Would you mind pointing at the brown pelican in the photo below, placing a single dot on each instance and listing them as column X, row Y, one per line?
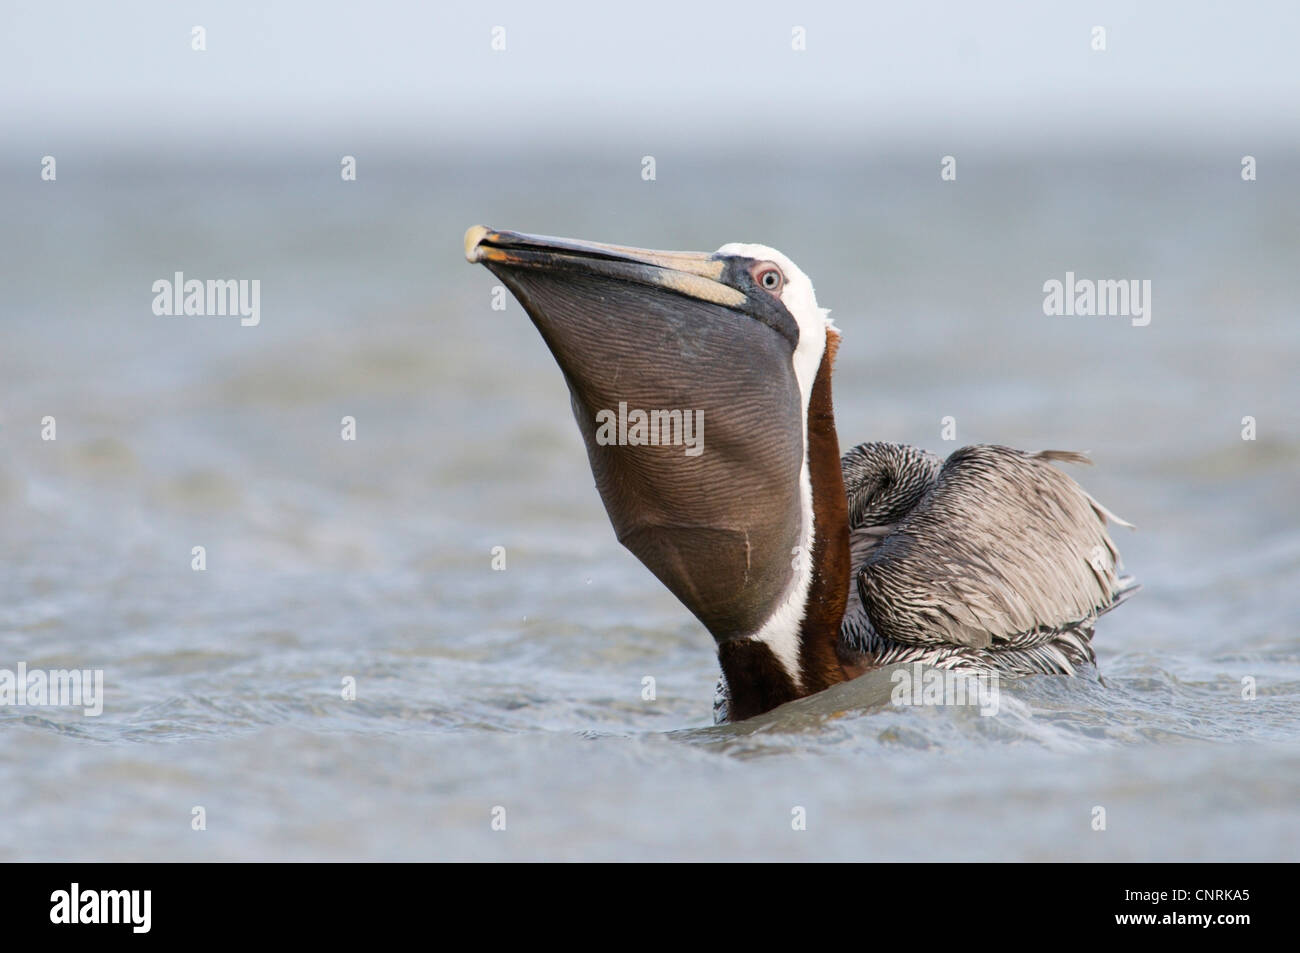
column 807, row 570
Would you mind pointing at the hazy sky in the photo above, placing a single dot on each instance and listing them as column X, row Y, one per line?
column 1020, row 69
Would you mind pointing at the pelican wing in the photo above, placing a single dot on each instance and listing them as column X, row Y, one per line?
column 1004, row 550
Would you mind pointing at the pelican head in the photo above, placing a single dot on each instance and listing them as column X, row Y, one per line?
column 746, row 524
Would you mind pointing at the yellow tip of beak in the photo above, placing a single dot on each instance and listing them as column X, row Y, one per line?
column 473, row 236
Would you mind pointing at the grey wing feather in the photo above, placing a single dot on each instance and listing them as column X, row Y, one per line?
column 1004, row 550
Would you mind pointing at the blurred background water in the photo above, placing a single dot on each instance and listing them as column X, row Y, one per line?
column 372, row 559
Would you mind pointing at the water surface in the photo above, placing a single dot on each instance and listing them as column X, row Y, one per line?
column 522, row 689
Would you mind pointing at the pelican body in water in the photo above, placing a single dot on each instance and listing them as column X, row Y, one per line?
column 807, row 569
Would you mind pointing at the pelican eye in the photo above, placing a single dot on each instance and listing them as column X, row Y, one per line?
column 769, row 276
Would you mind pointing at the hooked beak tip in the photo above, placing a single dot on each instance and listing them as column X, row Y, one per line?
column 474, row 236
